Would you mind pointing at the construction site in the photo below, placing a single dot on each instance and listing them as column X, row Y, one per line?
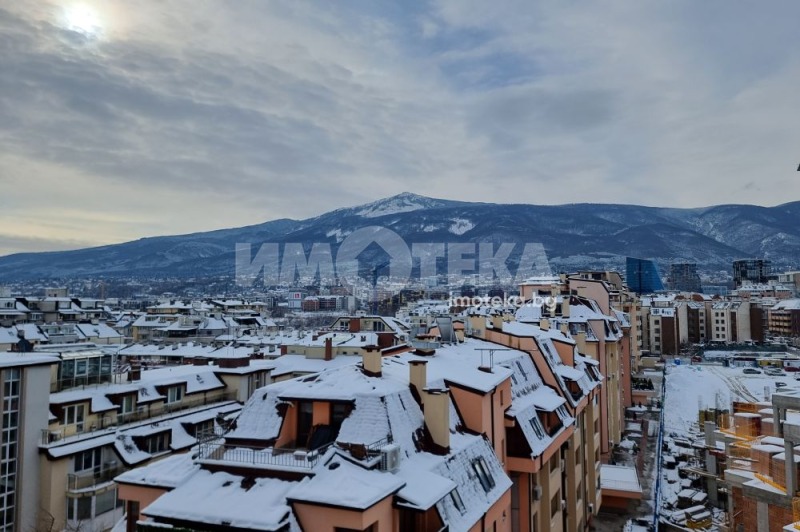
column 735, row 466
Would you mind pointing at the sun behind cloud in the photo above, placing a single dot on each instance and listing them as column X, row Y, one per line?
column 82, row 18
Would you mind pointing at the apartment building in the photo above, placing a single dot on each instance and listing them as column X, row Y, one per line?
column 470, row 436
column 683, row 277
column 784, row 318
column 730, row 322
column 591, row 304
column 664, row 331
column 691, row 318
column 751, row 270
column 95, row 433
column 23, row 410
column 390, row 331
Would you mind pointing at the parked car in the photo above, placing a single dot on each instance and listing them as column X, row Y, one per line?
column 751, row 371
column 775, row 372
column 780, row 384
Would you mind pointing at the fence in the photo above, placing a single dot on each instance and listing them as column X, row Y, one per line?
column 659, row 452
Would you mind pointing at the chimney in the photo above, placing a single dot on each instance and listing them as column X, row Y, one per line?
column 372, row 360
column 437, row 416
column 328, row 348
column 564, row 327
column 544, row 324
column 418, row 376
column 284, row 349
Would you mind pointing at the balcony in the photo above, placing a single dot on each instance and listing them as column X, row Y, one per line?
column 90, row 479
column 216, row 451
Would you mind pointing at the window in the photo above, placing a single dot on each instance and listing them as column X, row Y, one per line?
column 128, row 404
column 554, row 461
column 485, row 477
column 339, row 412
column 305, row 418
column 457, row 502
column 105, row 502
column 156, row 444
column 521, row 370
column 73, row 415
column 174, row 394
column 555, row 505
column 8, row 450
column 537, row 428
column 88, row 460
column 204, row 429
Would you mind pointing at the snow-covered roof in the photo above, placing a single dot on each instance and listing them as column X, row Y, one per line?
column 787, row 304
column 98, row 400
column 12, row 360
column 300, row 364
column 342, row 483
column 423, row 488
column 197, row 378
column 98, row 330
column 223, row 499
column 168, row 472
column 122, row 437
column 620, row 478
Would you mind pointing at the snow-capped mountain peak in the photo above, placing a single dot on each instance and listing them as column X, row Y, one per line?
column 404, row 202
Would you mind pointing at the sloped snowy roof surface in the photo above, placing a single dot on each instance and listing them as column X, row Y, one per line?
column 341, row 483
column 221, row 499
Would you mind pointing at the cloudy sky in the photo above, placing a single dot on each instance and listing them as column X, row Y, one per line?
column 126, row 119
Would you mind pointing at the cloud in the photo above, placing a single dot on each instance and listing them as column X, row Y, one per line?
column 182, row 117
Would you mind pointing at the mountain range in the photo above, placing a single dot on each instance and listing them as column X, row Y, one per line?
column 574, row 236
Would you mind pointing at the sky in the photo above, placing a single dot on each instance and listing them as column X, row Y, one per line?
column 120, row 120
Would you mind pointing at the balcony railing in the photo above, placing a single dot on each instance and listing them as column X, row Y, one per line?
column 218, row 451
column 88, row 479
column 156, row 414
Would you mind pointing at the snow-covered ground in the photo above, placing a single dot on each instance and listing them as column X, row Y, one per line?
column 690, row 388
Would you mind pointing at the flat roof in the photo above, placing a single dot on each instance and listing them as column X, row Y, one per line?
column 12, row 359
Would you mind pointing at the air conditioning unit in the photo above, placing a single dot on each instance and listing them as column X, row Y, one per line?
column 390, row 457
column 537, row 493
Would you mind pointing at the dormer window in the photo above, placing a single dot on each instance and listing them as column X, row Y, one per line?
column 537, row 428
column 483, row 473
column 174, row 394
column 127, row 404
column 457, row 502
column 73, row 415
